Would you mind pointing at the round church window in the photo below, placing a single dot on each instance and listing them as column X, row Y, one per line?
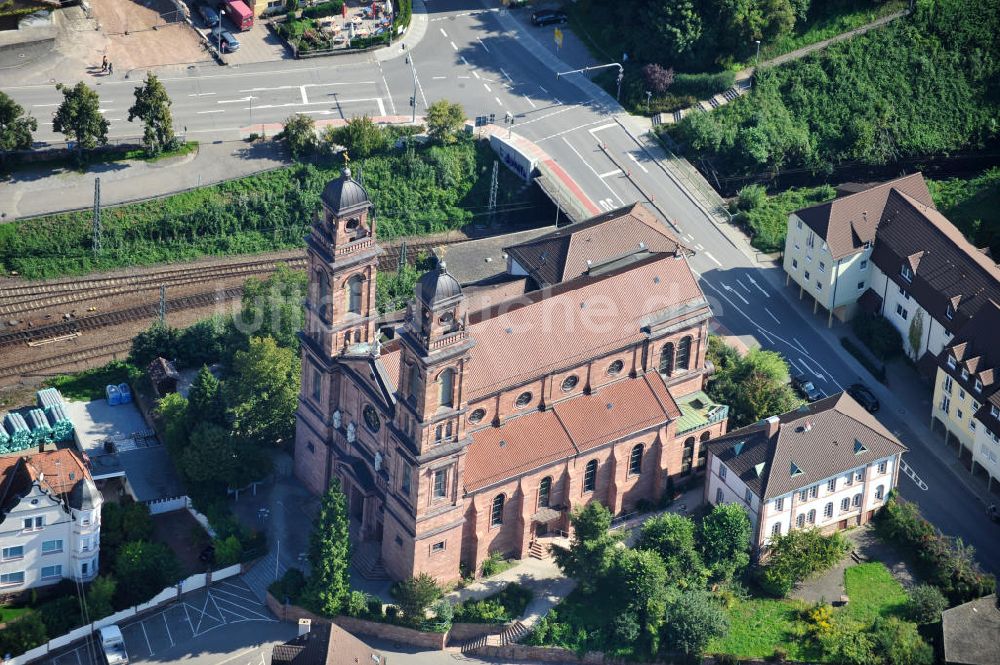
column 616, row 367
column 523, row 400
column 371, row 418
column 477, row 416
column 570, row 382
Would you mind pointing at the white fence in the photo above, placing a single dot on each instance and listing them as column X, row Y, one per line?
column 157, row 506
column 168, row 595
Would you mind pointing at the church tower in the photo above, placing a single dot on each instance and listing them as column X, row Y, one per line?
column 340, row 316
column 431, row 411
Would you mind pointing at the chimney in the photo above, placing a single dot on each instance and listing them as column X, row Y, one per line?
column 305, row 626
column 773, row 423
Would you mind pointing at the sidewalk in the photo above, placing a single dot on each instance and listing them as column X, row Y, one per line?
column 45, row 190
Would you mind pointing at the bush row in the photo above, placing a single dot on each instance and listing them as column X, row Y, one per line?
column 876, row 370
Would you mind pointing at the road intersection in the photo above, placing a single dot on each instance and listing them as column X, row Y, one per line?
column 475, row 55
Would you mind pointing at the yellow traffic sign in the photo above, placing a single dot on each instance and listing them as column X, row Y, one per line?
column 558, row 34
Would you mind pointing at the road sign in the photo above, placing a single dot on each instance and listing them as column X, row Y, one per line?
column 558, row 34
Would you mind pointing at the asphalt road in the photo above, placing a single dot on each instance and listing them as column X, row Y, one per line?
column 467, row 56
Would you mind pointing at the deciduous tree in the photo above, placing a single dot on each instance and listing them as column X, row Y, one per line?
column 152, row 106
column 673, row 538
column 15, row 126
column 204, row 399
column 99, row 597
column 444, row 120
column 300, row 134
column 329, row 555
column 143, row 570
column 79, row 117
column 262, row 391
column 589, row 553
column 725, row 540
column 693, row 619
column 210, row 456
column 658, row 78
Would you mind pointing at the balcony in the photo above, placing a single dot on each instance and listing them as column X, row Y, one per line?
column 698, row 411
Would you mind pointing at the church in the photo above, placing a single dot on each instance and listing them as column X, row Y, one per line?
column 479, row 424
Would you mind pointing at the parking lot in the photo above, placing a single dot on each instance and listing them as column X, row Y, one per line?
column 258, row 44
column 215, row 624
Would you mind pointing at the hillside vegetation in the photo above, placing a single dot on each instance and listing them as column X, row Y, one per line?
column 924, row 85
column 417, row 191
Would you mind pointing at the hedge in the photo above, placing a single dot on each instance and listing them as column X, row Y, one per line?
column 876, row 370
column 702, row 86
column 332, row 8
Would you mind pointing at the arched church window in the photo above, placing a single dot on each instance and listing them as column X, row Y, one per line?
column 354, row 285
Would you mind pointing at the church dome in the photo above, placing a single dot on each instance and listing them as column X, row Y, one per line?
column 437, row 286
column 345, row 194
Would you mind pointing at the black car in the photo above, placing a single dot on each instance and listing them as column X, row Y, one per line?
column 864, row 397
column 804, row 386
column 210, row 15
column 548, row 17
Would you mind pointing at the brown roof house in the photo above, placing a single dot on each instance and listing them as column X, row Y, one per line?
column 972, row 632
column 50, row 524
column 886, row 248
column 324, row 644
column 826, row 465
column 483, row 422
column 163, row 376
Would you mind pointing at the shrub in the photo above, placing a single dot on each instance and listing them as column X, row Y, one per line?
column 357, row 604
column 751, row 196
column 693, row 619
column 289, row 587
column 797, row 555
column 879, row 335
column 702, row 86
column 60, row 615
column 876, row 370
column 23, row 634
column 505, row 605
column 658, row 78
column 493, row 564
column 925, row 604
column 228, row 551
column 899, row 643
column 332, row 8
column 415, row 595
column 819, row 620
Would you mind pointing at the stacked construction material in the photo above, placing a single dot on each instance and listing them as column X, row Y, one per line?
column 4, row 438
column 20, row 433
column 48, row 397
column 41, row 431
column 62, row 426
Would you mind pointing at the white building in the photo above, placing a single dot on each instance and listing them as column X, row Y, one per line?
column 50, row 521
column 887, row 249
column 827, row 465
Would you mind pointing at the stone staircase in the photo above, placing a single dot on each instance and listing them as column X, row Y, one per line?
column 260, row 576
column 367, row 560
column 515, row 632
column 537, row 550
column 741, row 87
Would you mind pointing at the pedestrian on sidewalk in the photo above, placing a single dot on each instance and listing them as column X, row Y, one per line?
column 111, row 68
column 104, row 63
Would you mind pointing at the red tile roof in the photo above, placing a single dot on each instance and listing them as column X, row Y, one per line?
column 60, row 471
column 572, row 427
column 574, row 322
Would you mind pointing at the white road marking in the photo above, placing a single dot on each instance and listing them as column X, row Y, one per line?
column 482, row 44
column 735, row 293
column 392, row 102
column 303, row 85
column 799, row 344
column 632, row 157
column 453, row 46
column 198, row 94
column 465, row 62
column 754, row 282
column 235, row 101
column 605, row 205
column 699, row 247
column 212, row 111
column 819, row 375
column 305, row 97
column 439, row 78
column 745, row 287
column 793, row 364
column 498, row 101
column 689, row 237
column 543, row 89
column 713, row 259
column 488, row 88
column 148, row 645
column 772, row 316
column 44, row 106
column 167, row 626
column 905, row 468
column 188, row 616
column 611, row 173
column 604, row 126
column 577, row 153
column 548, row 115
column 506, row 75
column 381, row 106
column 528, row 99
column 463, row 77
column 443, row 33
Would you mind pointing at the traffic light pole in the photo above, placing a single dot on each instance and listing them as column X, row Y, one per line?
column 413, row 99
column 621, row 74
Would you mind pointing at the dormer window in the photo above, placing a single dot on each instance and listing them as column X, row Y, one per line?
column 951, row 362
column 906, row 272
column 994, row 411
column 950, row 312
column 978, row 386
column 965, row 374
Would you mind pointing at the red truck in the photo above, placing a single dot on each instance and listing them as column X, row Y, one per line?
column 239, row 14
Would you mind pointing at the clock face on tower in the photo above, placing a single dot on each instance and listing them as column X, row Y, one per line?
column 371, row 418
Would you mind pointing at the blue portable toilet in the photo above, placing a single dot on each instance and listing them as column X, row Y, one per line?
column 114, row 395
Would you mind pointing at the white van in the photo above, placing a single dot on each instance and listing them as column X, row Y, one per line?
column 113, row 645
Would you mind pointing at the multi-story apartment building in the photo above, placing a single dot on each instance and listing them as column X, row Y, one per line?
column 966, row 405
column 50, row 521
column 827, row 465
column 477, row 429
column 887, row 250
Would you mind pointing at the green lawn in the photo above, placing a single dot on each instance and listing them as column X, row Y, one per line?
column 873, row 592
column 759, row 625
column 767, row 216
column 10, row 613
column 973, row 205
column 89, row 384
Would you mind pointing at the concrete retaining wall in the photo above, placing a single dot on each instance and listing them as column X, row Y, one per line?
column 466, row 632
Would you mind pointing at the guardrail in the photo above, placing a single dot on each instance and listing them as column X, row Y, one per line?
column 168, row 595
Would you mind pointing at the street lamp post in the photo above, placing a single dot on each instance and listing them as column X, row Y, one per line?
column 757, row 61
column 413, row 99
column 649, row 98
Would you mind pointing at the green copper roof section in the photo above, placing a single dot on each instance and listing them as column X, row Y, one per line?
column 698, row 410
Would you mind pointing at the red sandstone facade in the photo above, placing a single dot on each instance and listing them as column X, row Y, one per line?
column 472, row 432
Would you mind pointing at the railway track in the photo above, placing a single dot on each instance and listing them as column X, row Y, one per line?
column 111, row 350
column 105, row 319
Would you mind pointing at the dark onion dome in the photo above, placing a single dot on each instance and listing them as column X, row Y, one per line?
column 85, row 495
column 437, row 286
column 345, row 194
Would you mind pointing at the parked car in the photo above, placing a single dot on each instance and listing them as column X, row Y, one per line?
column 864, row 396
column 211, row 16
column 225, row 40
column 804, row 386
column 548, row 17
column 113, row 645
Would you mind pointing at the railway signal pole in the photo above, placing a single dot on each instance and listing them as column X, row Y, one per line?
column 163, row 304
column 97, row 216
column 493, row 193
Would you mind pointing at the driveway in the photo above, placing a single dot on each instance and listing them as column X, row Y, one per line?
column 212, row 625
